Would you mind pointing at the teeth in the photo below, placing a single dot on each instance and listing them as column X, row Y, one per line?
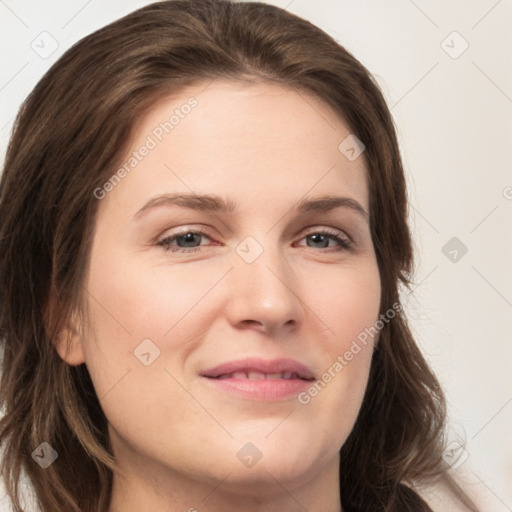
column 259, row 375
column 255, row 376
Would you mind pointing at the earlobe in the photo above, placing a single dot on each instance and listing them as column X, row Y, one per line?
column 376, row 341
column 66, row 337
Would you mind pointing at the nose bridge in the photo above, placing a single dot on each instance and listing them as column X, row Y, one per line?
column 262, row 283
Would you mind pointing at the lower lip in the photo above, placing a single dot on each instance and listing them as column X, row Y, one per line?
column 261, row 389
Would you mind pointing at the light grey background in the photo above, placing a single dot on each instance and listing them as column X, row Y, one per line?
column 453, row 112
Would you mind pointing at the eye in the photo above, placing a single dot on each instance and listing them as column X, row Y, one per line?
column 190, row 241
column 186, row 241
column 321, row 239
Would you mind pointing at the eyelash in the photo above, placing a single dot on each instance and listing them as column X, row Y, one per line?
column 344, row 245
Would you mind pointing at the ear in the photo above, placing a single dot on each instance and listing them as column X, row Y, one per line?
column 69, row 344
column 67, row 340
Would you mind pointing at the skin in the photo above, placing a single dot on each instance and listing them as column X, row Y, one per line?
column 265, row 147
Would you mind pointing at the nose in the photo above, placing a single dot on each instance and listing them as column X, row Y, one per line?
column 264, row 294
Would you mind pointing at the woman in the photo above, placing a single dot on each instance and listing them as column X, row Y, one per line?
column 202, row 243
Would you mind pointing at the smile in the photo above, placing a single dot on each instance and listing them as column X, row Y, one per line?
column 259, row 379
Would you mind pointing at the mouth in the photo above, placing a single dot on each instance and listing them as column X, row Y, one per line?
column 254, row 375
column 259, row 379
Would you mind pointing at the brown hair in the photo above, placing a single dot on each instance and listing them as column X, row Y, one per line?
column 68, row 138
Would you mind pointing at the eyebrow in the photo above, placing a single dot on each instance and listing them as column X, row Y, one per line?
column 215, row 204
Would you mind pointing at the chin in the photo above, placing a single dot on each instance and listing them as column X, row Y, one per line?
column 290, row 458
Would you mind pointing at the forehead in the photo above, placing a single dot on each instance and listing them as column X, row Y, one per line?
column 253, row 141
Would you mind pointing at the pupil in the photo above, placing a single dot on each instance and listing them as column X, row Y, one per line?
column 188, row 238
column 318, row 239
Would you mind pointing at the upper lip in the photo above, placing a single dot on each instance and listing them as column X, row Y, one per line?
column 253, row 364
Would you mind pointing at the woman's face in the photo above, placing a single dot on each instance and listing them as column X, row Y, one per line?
column 209, row 324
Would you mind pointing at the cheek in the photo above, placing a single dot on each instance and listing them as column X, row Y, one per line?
column 135, row 303
column 349, row 306
column 348, row 303
column 130, row 304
